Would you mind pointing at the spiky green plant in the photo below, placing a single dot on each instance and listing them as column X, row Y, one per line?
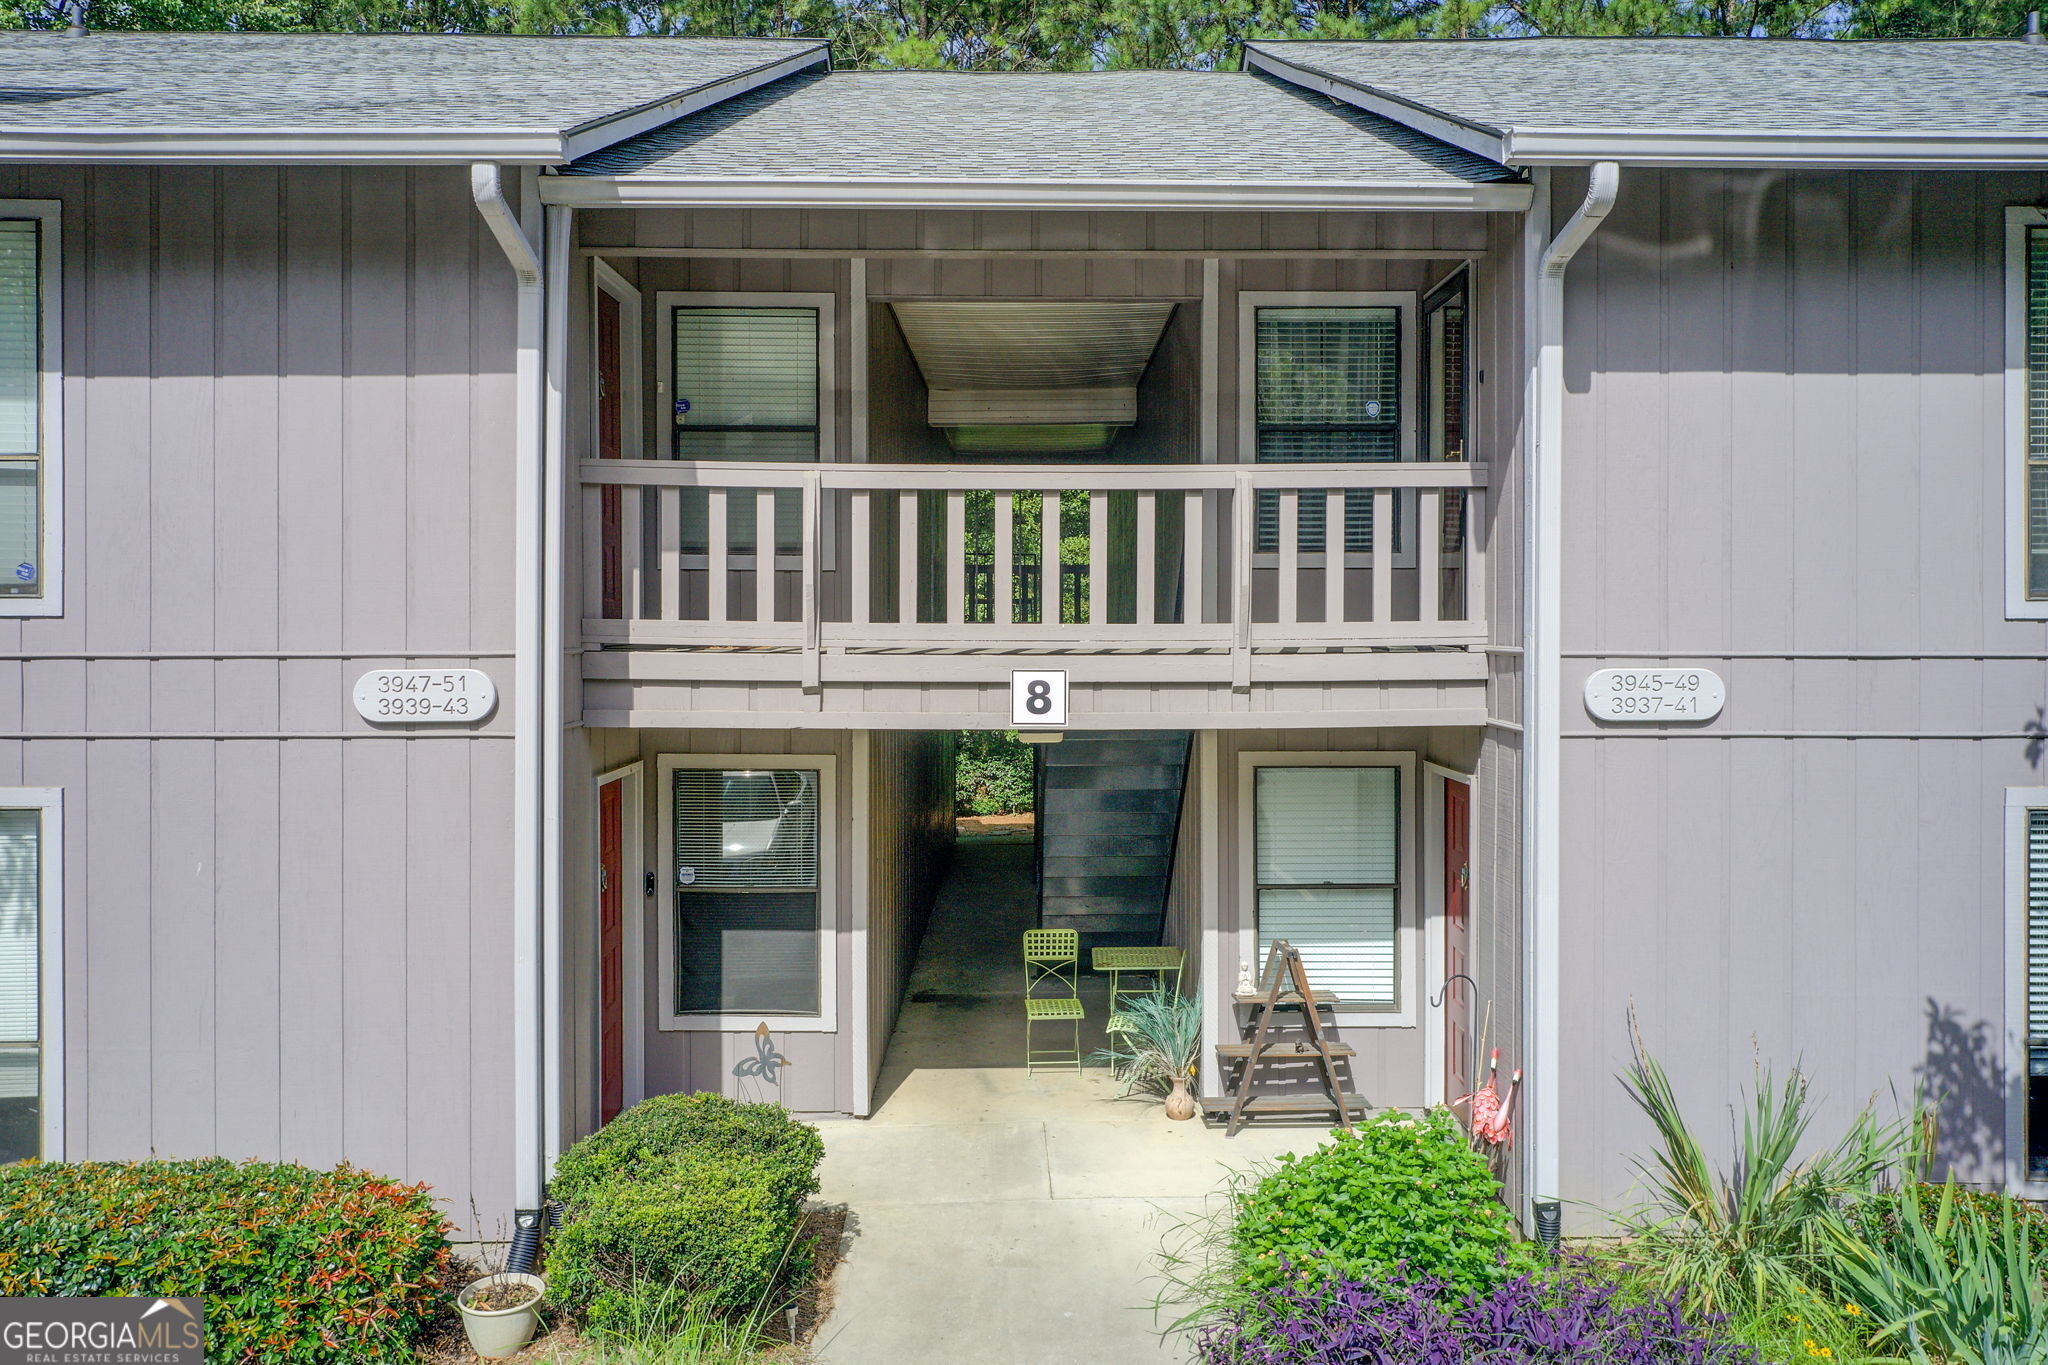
column 1960, row 1281
column 1164, row 1031
column 1739, row 1240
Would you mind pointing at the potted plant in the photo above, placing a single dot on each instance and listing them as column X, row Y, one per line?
column 1162, row 1039
column 500, row 1312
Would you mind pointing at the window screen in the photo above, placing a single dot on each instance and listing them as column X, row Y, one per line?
column 20, row 984
column 1328, row 874
column 20, row 408
column 2037, row 414
column 1328, row 391
column 747, row 891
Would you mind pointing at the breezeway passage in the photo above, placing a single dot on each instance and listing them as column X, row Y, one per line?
column 998, row 1216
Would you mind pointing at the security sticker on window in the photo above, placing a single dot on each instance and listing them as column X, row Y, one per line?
column 1038, row 698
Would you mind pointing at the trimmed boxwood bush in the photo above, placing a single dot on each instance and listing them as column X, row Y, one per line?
column 295, row 1264
column 682, row 1200
column 1405, row 1196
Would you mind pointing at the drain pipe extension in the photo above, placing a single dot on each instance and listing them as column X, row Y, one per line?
column 529, row 569
column 1543, row 705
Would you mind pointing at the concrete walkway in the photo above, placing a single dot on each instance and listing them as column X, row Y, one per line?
column 997, row 1217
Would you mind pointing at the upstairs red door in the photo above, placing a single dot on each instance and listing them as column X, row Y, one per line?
column 610, row 426
column 611, row 950
column 1459, row 996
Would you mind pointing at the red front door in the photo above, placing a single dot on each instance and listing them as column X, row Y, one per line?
column 611, row 950
column 1458, row 993
column 610, row 428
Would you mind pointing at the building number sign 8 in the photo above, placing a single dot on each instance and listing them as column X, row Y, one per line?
column 424, row 696
column 1038, row 698
column 1655, row 694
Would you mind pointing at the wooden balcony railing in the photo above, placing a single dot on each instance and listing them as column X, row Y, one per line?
column 942, row 557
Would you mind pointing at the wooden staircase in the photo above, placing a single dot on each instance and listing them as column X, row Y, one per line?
column 1286, row 987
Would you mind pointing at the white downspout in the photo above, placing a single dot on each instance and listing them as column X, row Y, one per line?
column 1543, row 706
column 529, row 572
column 554, row 494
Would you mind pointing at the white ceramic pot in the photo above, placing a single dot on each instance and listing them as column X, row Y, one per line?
column 499, row 1332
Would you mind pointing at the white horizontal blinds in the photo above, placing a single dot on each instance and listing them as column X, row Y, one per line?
column 2037, row 413
column 745, row 387
column 1328, row 391
column 1327, row 869
column 747, row 891
column 20, row 406
column 20, row 977
column 2037, row 931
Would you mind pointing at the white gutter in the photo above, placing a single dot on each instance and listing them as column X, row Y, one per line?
column 1542, row 702
column 554, row 493
column 880, row 192
column 529, row 638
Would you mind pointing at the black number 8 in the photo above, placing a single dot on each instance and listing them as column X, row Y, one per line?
column 1038, row 696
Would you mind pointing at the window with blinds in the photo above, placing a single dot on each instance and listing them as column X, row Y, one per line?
column 21, row 326
column 1328, row 390
column 1327, row 875
column 2037, row 994
column 20, row 984
column 747, row 901
column 745, row 387
column 2036, row 493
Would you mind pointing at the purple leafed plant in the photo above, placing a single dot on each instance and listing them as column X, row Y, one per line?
column 1523, row 1321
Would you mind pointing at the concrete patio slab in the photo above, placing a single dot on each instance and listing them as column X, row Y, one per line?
column 997, row 1215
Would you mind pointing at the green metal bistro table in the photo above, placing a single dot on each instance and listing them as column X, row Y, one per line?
column 1157, row 963
column 1052, row 1009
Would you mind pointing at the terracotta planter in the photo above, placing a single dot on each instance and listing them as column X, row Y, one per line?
column 495, row 1333
column 1180, row 1104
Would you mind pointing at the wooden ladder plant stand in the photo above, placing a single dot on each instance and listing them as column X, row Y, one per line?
column 1286, row 987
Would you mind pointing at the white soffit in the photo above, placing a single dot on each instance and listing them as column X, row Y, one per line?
column 1029, row 363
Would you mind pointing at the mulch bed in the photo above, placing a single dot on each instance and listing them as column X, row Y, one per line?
column 825, row 1227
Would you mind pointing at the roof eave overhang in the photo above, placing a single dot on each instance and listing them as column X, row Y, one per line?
column 631, row 191
column 1788, row 151
column 285, row 147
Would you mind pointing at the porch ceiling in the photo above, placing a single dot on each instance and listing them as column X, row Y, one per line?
column 1032, row 376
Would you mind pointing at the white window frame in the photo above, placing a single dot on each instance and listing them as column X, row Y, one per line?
column 828, row 329
column 632, row 404
column 2019, row 803
column 1407, row 930
column 50, row 385
column 2018, row 606
column 1407, row 328
column 827, row 1018
column 49, row 803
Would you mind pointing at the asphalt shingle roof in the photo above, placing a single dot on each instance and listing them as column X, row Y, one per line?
column 1714, row 85
column 1153, row 126
column 166, row 83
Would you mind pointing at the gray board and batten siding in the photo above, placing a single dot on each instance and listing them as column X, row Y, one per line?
column 289, row 403
column 1784, row 445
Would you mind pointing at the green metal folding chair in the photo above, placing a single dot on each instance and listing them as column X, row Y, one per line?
column 1052, row 955
column 1052, row 1009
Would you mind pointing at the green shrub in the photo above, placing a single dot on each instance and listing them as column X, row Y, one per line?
column 1405, row 1194
column 1949, row 1276
column 295, row 1264
column 993, row 776
column 681, row 1202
